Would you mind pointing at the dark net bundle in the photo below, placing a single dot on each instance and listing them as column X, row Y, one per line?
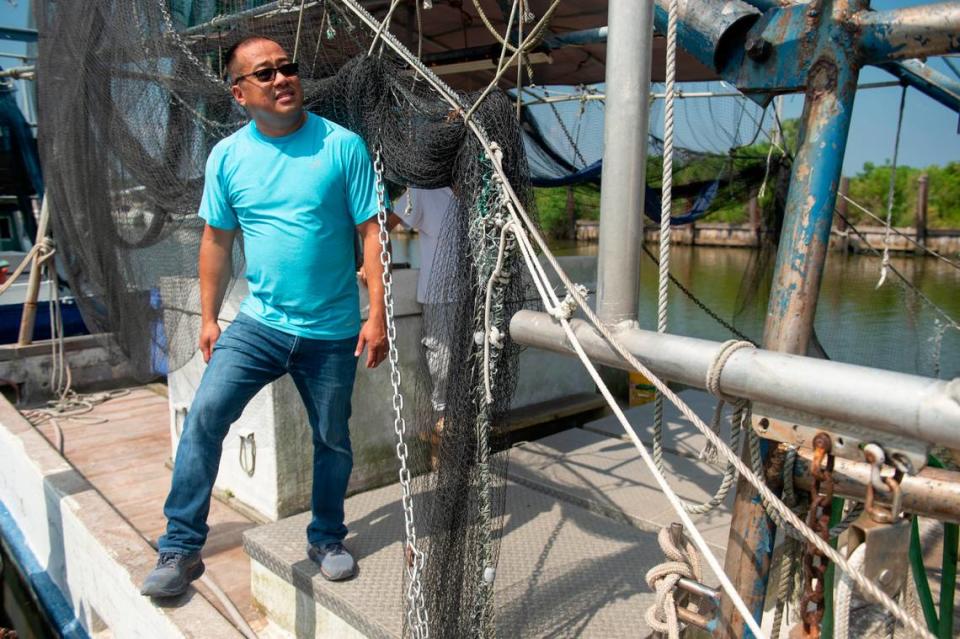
column 132, row 102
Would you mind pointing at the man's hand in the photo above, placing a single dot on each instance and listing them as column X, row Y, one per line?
column 215, row 247
column 209, row 334
column 373, row 336
column 362, row 276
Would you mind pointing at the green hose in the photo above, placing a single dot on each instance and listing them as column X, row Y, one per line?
column 920, row 579
column 951, row 537
column 948, row 571
column 826, row 628
column 942, row 627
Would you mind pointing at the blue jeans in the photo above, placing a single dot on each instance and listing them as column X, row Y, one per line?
column 248, row 356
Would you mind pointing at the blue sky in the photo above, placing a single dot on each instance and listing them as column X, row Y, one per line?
column 929, row 129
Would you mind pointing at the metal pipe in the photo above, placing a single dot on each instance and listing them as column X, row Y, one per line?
column 18, row 56
column 831, row 86
column 17, row 73
column 597, row 35
column 263, row 11
column 697, row 588
column 688, row 616
column 707, row 30
column 684, row 95
column 927, row 80
column 629, row 57
column 829, row 76
column 911, row 32
column 932, row 492
column 908, row 405
column 17, row 34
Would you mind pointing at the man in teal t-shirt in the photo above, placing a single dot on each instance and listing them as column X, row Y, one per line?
column 297, row 186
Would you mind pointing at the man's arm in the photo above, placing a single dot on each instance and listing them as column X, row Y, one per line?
column 216, row 246
column 373, row 335
column 392, row 221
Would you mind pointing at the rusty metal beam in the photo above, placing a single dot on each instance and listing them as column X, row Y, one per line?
column 931, row 493
column 830, row 82
column 911, row 32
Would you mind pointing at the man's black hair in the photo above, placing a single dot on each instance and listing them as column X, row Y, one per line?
column 231, row 53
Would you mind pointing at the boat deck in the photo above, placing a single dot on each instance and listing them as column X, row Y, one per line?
column 122, row 447
column 579, row 531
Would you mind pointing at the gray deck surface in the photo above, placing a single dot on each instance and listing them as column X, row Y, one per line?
column 608, row 477
column 680, row 436
column 563, row 571
column 578, row 538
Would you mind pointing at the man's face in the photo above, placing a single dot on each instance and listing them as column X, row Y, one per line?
column 278, row 100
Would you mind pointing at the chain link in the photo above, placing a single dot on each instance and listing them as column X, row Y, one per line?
column 818, row 519
column 417, row 620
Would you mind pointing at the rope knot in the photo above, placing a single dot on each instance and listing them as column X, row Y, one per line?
column 567, row 307
column 684, row 562
column 727, row 349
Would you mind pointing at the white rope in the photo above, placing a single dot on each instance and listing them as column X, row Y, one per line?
column 551, row 302
column 844, row 596
column 885, row 263
column 524, row 45
column 384, row 24
column 683, row 561
column 41, row 246
column 773, row 144
column 666, row 204
column 296, row 41
column 527, row 226
column 917, row 244
column 492, row 335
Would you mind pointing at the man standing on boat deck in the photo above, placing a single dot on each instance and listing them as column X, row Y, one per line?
column 297, row 186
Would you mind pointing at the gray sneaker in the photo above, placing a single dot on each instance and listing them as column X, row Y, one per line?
column 336, row 562
column 173, row 574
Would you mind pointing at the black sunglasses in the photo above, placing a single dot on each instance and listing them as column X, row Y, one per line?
column 289, row 70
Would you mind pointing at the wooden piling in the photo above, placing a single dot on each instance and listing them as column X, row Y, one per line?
column 753, row 210
column 571, row 213
column 921, row 221
column 29, row 317
column 840, row 219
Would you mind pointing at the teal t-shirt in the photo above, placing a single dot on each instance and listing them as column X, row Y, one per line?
column 297, row 199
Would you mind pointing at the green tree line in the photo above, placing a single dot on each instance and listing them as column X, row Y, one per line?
column 742, row 171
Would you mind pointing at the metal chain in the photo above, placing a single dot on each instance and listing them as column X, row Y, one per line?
column 417, row 619
column 566, row 133
column 174, row 36
column 818, row 519
column 700, row 304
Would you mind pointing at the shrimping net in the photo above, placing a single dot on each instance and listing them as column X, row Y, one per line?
column 132, row 101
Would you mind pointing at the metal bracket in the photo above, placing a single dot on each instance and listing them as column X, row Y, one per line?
column 885, row 561
column 799, row 429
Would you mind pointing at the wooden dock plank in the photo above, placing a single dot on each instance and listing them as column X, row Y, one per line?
column 121, row 446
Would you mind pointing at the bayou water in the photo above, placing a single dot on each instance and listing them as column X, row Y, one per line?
column 892, row 327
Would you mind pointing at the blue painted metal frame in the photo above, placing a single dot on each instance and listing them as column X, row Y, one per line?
column 773, row 55
column 49, row 595
column 818, row 48
column 18, row 34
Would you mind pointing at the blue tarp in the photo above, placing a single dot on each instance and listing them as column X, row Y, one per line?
column 24, row 145
column 591, row 173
